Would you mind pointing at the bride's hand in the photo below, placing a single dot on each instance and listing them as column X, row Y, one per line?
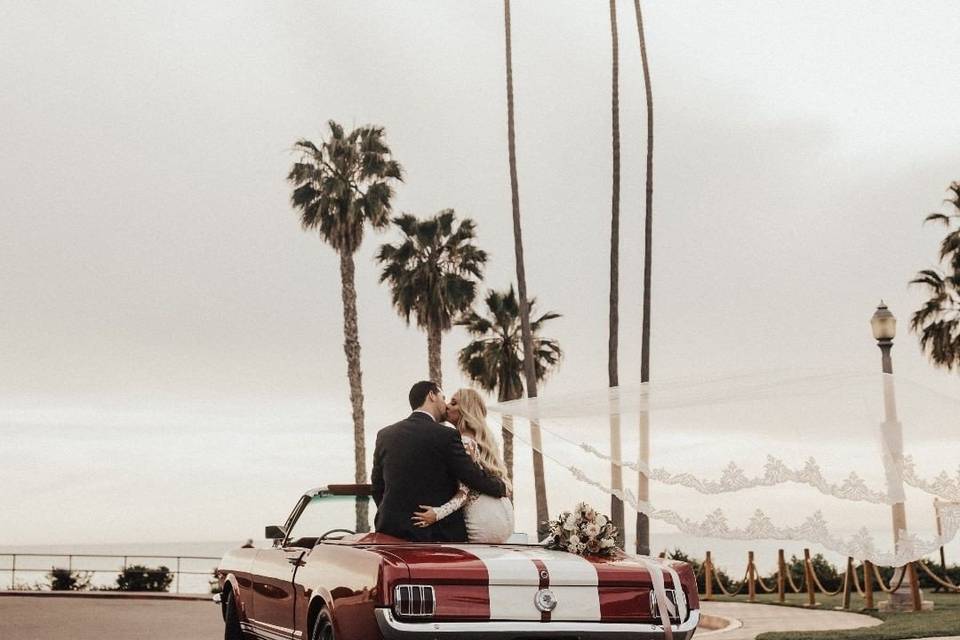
column 424, row 518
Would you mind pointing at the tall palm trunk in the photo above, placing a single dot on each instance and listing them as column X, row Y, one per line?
column 507, row 432
column 643, row 490
column 616, row 472
column 527, row 336
column 351, row 346
column 434, row 336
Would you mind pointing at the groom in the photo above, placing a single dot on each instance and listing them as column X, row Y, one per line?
column 419, row 461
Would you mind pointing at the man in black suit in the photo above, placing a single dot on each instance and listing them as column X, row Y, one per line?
column 419, row 461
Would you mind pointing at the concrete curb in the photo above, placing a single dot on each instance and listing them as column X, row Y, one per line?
column 712, row 624
column 115, row 595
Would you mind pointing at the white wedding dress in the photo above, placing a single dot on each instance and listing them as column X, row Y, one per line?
column 489, row 520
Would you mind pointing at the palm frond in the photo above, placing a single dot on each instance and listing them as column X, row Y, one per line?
column 938, row 217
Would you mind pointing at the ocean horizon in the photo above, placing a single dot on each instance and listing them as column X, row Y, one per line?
column 201, row 557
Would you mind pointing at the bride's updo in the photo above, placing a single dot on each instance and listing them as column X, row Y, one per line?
column 473, row 423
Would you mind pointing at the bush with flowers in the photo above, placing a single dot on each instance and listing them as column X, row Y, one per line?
column 583, row 531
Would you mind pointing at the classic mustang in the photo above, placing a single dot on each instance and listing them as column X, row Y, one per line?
column 325, row 583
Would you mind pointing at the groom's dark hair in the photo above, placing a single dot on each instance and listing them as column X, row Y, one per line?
column 420, row 391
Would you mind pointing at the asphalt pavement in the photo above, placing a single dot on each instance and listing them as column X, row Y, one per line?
column 32, row 618
column 80, row 618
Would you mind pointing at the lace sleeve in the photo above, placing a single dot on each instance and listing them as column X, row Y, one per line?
column 453, row 504
column 470, row 446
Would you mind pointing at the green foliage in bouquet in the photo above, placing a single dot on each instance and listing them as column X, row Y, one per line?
column 583, row 531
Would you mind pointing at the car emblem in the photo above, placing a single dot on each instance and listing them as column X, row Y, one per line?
column 545, row 600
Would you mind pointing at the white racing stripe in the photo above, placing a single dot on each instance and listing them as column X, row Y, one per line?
column 514, row 581
column 574, row 580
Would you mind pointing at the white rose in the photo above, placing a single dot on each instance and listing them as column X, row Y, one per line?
column 606, row 543
column 602, row 520
column 574, row 540
column 592, row 530
column 570, row 523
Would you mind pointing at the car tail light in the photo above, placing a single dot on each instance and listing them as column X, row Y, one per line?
column 414, row 600
column 674, row 596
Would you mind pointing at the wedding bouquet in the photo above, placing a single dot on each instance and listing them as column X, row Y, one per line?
column 583, row 531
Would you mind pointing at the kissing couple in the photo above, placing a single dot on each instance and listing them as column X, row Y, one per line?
column 436, row 483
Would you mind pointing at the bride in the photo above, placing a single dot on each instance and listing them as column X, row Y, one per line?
column 489, row 520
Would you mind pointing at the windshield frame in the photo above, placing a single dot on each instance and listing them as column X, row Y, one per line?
column 339, row 490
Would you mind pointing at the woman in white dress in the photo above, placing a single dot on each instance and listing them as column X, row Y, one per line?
column 488, row 519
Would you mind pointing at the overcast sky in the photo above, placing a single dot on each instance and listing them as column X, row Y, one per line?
column 155, row 281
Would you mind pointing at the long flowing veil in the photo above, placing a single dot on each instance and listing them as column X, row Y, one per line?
column 851, row 462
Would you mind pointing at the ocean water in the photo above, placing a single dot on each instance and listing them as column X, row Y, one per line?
column 729, row 555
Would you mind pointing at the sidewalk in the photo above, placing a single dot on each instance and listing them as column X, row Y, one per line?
column 758, row 618
column 749, row 620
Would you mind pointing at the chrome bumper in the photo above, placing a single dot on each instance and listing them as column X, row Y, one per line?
column 393, row 629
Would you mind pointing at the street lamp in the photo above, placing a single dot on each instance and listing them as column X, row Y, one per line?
column 884, row 326
column 905, row 597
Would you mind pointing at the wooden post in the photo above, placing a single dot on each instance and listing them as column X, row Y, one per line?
column 943, row 556
column 13, row 573
column 811, row 588
column 663, row 554
column 914, row 586
column 781, row 577
column 708, row 577
column 751, row 576
column 868, row 584
column 178, row 574
column 847, row 581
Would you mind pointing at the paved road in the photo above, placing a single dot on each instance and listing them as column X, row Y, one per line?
column 32, row 618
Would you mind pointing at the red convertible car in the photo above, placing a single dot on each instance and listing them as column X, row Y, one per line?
column 324, row 582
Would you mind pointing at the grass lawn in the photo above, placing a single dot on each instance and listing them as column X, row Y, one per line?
column 944, row 620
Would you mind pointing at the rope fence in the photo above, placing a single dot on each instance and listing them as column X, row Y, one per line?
column 811, row 583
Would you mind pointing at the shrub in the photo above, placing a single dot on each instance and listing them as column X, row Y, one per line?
column 827, row 574
column 140, row 578
column 214, row 582
column 60, row 579
column 697, row 567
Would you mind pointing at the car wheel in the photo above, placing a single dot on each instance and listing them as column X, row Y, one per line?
column 323, row 629
column 231, row 620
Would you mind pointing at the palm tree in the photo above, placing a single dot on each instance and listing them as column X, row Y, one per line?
column 338, row 188
column 616, row 472
column 937, row 322
column 495, row 358
column 643, row 522
column 433, row 273
column 540, row 487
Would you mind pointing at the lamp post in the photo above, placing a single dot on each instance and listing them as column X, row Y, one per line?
column 884, row 326
column 907, row 596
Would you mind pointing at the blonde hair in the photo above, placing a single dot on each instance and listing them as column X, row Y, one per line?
column 473, row 423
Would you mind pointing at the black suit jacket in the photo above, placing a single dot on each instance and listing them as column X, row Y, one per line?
column 420, row 461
